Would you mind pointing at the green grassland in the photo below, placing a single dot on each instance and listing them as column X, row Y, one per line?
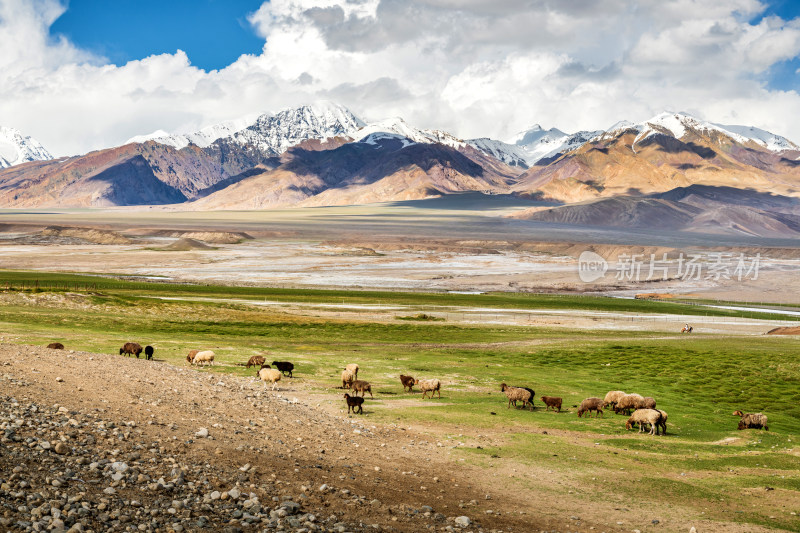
column 703, row 464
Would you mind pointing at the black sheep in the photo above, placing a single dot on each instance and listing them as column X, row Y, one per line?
column 354, row 402
column 284, row 367
column 148, row 352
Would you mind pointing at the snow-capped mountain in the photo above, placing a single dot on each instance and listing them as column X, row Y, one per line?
column 276, row 133
column 510, row 154
column 202, row 138
column 398, row 126
column 16, row 148
column 680, row 125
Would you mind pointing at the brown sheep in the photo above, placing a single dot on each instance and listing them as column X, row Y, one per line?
column 352, row 368
column 361, row 386
column 131, row 348
column 752, row 420
column 646, row 403
column 591, row 404
column 354, row 402
column 515, row 394
column 256, row 360
column 552, row 401
column 55, row 346
column 408, row 383
column 191, row 354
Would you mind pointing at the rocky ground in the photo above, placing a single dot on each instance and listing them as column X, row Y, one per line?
column 97, row 442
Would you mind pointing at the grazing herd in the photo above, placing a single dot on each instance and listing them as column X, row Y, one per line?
column 641, row 410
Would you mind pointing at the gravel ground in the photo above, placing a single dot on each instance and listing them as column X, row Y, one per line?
column 97, row 442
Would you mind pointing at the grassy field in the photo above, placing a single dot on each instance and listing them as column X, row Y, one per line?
column 704, row 464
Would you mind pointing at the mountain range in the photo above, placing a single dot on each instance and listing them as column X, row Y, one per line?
column 690, row 174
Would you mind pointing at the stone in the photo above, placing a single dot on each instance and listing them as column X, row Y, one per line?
column 463, row 521
column 61, row 448
column 202, row 433
column 234, row 494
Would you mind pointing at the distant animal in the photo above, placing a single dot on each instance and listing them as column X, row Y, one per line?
column 131, row 348
column 533, row 394
column 256, row 360
column 55, row 346
column 354, row 402
column 266, row 373
column 629, row 403
column 611, row 399
column 686, row 329
column 363, row 387
column 429, row 385
column 353, row 368
column 148, row 352
column 191, row 354
column 284, row 366
column 205, row 357
column 752, row 420
column 552, row 401
column 347, row 378
column 591, row 404
column 408, row 383
column 644, row 417
column 516, row 394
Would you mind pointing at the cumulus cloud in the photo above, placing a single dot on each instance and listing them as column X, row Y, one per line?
column 473, row 67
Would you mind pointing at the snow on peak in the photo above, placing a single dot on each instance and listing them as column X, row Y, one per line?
column 535, row 134
column 398, row 126
column 679, row 125
column 377, row 137
column 277, row 133
column 201, row 138
column 16, row 148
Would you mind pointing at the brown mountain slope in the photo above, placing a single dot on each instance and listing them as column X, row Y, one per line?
column 623, row 163
column 730, row 212
column 363, row 172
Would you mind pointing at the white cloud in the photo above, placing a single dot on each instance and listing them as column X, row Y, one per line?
column 474, row 67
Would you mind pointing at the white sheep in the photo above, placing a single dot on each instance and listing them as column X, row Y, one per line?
column 272, row 375
column 205, row 357
column 645, row 416
column 612, row 397
column 347, row 378
column 352, row 368
column 429, row 385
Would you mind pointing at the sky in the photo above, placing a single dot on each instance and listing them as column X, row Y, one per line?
column 90, row 74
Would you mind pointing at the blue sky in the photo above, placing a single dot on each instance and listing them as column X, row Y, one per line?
column 213, row 33
column 87, row 74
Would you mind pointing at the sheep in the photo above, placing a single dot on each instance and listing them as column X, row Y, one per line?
column 408, row 383
column 55, row 346
column 205, row 357
column 645, row 416
column 591, row 404
column 131, row 348
column 354, row 402
column 353, row 369
column 363, row 387
column 347, row 378
column 552, row 401
column 533, row 394
column 612, row 397
column 662, row 421
column 646, row 403
column 266, row 373
column 429, row 385
column 628, row 403
column 515, row 394
column 284, row 367
column 752, row 420
column 148, row 352
column 191, row 354
column 256, row 360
